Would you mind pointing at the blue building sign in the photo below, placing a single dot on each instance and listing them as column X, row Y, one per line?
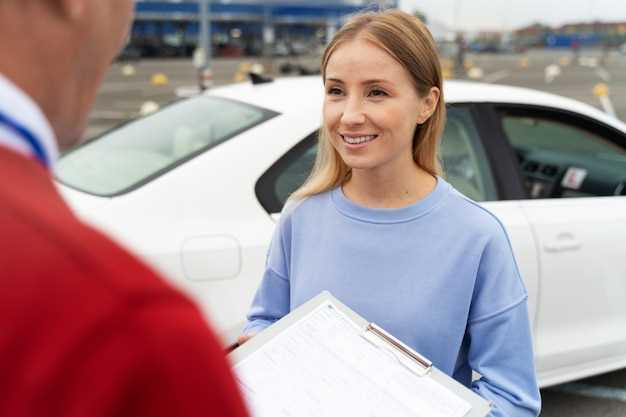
column 573, row 40
column 170, row 27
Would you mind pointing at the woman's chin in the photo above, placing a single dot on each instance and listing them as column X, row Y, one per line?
column 357, row 164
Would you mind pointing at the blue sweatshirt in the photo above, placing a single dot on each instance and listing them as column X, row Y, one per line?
column 439, row 275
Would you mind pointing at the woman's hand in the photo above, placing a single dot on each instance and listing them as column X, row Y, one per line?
column 244, row 338
column 240, row 341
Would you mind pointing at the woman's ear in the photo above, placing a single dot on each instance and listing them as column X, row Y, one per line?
column 429, row 104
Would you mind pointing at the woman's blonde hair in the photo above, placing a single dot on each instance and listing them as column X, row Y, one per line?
column 407, row 40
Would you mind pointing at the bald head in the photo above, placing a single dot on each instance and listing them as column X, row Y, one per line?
column 58, row 52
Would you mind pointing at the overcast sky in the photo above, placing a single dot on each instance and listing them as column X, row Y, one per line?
column 512, row 14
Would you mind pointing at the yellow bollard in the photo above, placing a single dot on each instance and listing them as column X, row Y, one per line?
column 601, row 90
column 245, row 66
column 447, row 68
column 159, row 79
column 242, row 72
column 524, row 62
column 447, row 73
column 564, row 61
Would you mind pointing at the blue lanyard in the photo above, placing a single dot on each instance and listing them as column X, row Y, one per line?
column 26, row 135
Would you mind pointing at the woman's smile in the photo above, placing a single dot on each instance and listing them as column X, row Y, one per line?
column 353, row 141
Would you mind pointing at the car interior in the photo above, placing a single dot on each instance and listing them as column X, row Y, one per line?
column 560, row 158
column 545, row 173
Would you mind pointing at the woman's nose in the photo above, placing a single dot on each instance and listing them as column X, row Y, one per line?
column 353, row 113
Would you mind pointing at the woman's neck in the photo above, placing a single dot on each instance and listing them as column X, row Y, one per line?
column 375, row 189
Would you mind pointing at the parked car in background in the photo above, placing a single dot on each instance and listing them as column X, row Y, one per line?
column 195, row 189
column 129, row 53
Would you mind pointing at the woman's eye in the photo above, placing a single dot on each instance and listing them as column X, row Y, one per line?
column 334, row 91
column 378, row 93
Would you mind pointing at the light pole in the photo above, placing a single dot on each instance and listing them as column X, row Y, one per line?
column 384, row 4
column 457, row 8
column 459, row 62
column 202, row 58
column 269, row 37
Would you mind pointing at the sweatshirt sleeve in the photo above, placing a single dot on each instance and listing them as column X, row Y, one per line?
column 500, row 341
column 272, row 301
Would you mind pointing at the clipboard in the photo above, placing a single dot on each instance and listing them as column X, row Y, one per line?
column 418, row 365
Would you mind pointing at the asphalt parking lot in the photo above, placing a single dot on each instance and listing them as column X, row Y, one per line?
column 128, row 85
column 128, row 88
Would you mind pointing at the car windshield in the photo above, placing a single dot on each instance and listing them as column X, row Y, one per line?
column 136, row 153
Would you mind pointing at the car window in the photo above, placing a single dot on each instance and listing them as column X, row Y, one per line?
column 133, row 154
column 566, row 156
column 461, row 153
column 295, row 173
column 287, row 174
column 463, row 158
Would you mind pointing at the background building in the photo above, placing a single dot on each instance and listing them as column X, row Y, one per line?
column 573, row 35
column 241, row 27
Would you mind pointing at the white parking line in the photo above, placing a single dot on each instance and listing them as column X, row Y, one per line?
column 603, row 74
column 496, row 76
column 607, row 105
column 592, row 391
column 551, row 72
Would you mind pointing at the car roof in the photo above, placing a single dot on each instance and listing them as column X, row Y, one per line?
column 300, row 94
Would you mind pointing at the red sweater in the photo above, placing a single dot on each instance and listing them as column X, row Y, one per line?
column 86, row 329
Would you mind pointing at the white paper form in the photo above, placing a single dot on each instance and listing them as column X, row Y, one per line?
column 322, row 366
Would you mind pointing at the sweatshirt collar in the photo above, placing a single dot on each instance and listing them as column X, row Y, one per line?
column 395, row 215
column 23, row 126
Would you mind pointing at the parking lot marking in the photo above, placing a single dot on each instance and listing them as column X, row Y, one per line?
column 475, row 73
column 601, row 91
column 592, row 391
column 551, row 72
column 603, row 74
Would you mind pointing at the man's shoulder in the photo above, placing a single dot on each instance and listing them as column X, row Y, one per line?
column 62, row 272
column 44, row 241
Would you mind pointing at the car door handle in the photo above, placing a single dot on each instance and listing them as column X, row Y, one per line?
column 564, row 242
column 562, row 247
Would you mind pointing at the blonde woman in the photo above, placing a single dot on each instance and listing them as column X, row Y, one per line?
column 378, row 227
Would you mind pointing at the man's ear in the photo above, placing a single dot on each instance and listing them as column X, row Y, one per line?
column 70, row 9
column 429, row 104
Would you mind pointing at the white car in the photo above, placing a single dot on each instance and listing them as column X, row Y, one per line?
column 195, row 189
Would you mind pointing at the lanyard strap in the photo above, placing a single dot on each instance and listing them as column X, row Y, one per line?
column 28, row 137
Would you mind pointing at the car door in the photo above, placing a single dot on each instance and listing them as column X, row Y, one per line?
column 176, row 188
column 574, row 171
column 470, row 165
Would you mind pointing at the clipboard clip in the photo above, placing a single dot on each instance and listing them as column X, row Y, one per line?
column 425, row 366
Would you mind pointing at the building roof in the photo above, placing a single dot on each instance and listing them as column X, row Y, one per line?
column 388, row 3
column 289, row 11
